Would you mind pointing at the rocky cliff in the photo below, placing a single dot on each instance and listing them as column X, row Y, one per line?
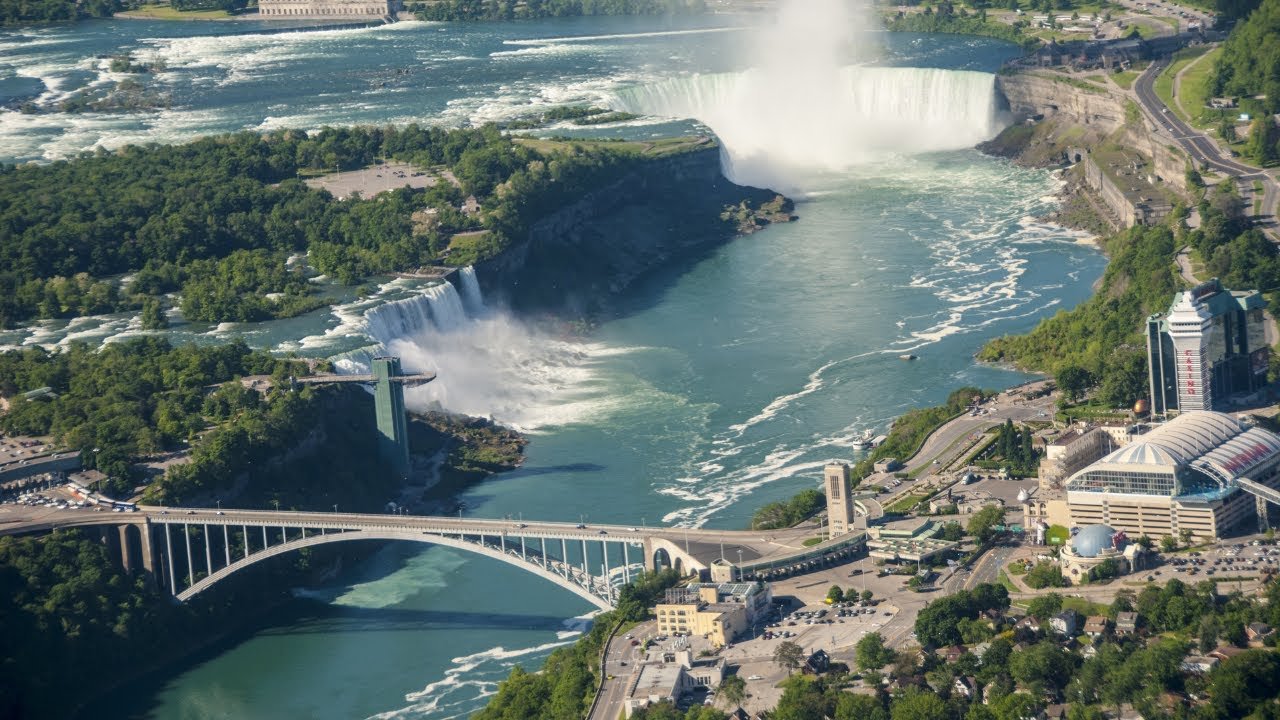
column 1059, row 119
column 662, row 216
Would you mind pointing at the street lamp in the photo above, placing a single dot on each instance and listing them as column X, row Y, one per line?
column 335, row 508
column 276, row 502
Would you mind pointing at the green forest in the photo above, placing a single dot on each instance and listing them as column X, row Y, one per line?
column 217, row 218
column 1250, row 61
column 466, row 10
column 24, row 11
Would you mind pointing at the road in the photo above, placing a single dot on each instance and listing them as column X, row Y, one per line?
column 1005, row 406
column 621, row 664
column 1202, row 148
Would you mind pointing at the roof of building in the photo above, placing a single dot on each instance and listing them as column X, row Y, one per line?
column 1092, row 540
column 661, row 679
column 1216, row 444
column 1126, row 618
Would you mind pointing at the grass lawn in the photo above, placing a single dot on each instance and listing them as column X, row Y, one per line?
column 1164, row 83
column 1125, row 79
column 1084, row 607
column 1194, row 90
column 810, row 542
column 1257, row 197
column 1057, row 531
column 166, row 12
column 1007, row 583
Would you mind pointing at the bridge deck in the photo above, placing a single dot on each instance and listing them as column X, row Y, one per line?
column 410, row 380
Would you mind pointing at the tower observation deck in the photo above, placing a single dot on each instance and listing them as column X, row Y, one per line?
column 389, row 382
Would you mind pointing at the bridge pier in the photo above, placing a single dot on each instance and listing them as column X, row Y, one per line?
column 191, row 568
column 1264, row 523
column 168, row 544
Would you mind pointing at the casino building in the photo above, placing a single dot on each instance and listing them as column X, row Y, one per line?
column 1210, row 345
column 1184, row 475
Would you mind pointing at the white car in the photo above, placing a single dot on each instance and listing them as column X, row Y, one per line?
column 756, row 677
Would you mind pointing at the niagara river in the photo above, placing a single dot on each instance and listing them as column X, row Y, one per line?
column 709, row 390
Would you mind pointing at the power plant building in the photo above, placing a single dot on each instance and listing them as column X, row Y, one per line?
column 371, row 10
column 1185, row 475
column 1209, row 346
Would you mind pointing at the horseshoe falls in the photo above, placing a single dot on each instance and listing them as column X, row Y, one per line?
column 782, row 132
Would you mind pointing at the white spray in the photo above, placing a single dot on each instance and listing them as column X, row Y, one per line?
column 808, row 107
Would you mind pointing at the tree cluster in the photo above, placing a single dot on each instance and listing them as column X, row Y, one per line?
column 216, row 218
column 786, row 513
column 1251, row 55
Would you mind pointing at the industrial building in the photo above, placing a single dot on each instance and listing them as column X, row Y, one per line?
column 1185, row 475
column 304, row 9
column 1210, row 345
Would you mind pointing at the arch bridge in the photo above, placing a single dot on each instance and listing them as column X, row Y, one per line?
column 189, row 550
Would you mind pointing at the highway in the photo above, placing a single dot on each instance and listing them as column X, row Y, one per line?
column 1200, row 147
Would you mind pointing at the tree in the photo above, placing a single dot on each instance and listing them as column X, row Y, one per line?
column 788, row 656
column 851, row 706
column 1074, row 381
column 867, row 596
column 982, row 524
column 1045, row 574
column 1208, row 633
column 952, row 531
column 835, row 594
column 734, row 690
column 1168, row 543
column 1186, row 535
column 153, row 317
column 918, row 705
column 1261, row 147
column 1043, row 666
column 871, row 653
column 1044, row 607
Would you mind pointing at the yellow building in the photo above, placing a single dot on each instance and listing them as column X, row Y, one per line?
column 702, row 610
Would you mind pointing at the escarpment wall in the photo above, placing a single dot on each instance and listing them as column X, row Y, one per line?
column 663, row 214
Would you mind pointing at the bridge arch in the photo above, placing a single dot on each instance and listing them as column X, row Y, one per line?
column 661, row 559
column 392, row 535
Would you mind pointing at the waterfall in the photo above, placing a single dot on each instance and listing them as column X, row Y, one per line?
column 439, row 308
column 471, row 296
column 488, row 363
column 780, row 130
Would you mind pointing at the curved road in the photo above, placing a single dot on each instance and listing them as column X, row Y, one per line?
column 1200, row 147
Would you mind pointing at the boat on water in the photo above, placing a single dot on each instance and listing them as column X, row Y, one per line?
column 864, row 442
column 908, row 356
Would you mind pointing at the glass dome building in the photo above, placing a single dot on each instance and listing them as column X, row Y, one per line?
column 1180, row 476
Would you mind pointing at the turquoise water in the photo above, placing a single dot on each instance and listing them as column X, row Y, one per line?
column 717, row 388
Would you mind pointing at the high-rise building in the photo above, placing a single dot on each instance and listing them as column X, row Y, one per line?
column 1210, row 345
column 393, row 431
column 839, row 500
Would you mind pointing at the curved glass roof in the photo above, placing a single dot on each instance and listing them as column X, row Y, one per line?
column 1214, row 443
